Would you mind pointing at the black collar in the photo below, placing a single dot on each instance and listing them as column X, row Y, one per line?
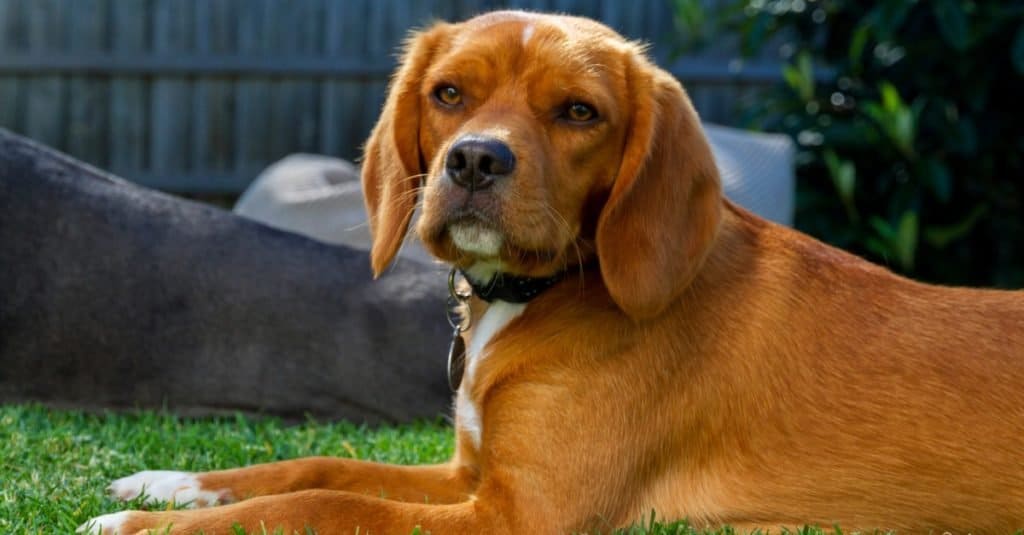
column 512, row 288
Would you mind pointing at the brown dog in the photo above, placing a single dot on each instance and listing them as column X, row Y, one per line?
column 649, row 346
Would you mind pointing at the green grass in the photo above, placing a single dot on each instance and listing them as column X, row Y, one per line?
column 55, row 464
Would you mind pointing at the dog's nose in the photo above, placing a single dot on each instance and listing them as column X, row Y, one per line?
column 475, row 162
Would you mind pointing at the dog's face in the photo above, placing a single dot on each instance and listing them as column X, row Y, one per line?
column 538, row 142
column 521, row 121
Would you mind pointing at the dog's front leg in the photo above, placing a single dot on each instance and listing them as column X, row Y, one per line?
column 443, row 483
column 324, row 511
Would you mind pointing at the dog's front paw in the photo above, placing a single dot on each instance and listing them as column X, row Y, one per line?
column 137, row 523
column 112, row 524
column 180, row 488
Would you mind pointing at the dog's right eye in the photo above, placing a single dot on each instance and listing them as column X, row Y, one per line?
column 448, row 95
column 578, row 113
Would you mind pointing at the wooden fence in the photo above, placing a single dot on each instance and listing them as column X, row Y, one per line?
column 199, row 95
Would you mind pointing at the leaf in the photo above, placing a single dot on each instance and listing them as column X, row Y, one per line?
column 846, row 180
column 906, row 239
column 895, row 118
column 756, row 34
column 792, row 77
column 877, row 246
column 800, row 76
column 902, row 130
column 887, row 17
column 899, row 241
column 965, row 136
column 952, row 22
column 857, row 43
column 844, row 176
column 941, row 236
column 937, row 177
column 883, row 228
column 891, row 101
column 1017, row 51
column 692, row 22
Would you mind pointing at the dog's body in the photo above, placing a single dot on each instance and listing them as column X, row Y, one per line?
column 695, row 360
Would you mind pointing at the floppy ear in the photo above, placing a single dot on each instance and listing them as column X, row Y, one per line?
column 392, row 163
column 664, row 208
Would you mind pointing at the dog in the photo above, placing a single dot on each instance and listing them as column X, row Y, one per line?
column 637, row 342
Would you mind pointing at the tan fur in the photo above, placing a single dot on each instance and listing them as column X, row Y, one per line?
column 697, row 360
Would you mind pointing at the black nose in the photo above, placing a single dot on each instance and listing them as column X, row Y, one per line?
column 475, row 162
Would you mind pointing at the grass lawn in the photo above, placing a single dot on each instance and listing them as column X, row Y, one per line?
column 55, row 464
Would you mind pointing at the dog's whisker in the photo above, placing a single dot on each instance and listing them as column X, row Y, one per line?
column 561, row 222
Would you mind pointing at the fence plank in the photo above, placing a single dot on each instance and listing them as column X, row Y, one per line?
column 129, row 95
column 11, row 106
column 394, row 23
column 88, row 96
column 346, row 100
column 172, row 95
column 44, row 121
column 331, row 111
column 380, row 45
column 252, row 127
column 293, row 108
column 213, row 112
column 13, row 22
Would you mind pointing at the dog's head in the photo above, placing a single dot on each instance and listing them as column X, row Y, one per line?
column 538, row 142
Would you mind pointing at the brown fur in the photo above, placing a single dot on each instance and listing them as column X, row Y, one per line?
column 712, row 365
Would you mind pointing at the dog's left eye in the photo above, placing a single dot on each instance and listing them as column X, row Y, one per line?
column 448, row 95
column 578, row 112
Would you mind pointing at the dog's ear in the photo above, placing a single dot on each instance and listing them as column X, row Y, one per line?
column 664, row 208
column 393, row 165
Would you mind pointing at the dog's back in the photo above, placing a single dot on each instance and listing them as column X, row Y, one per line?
column 833, row 391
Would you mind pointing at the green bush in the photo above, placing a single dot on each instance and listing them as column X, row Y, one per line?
column 909, row 124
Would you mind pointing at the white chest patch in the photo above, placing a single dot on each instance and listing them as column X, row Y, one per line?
column 497, row 316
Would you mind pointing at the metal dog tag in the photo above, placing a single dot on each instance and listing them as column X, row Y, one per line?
column 457, row 349
column 456, row 359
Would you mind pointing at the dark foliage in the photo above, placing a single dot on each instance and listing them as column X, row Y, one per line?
column 910, row 125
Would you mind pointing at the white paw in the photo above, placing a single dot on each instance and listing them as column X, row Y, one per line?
column 180, row 488
column 105, row 524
